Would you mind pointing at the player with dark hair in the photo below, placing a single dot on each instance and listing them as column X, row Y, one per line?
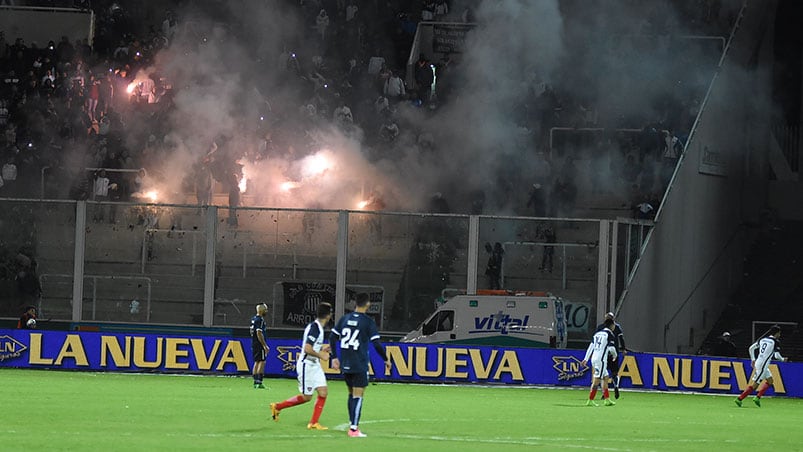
column 600, row 351
column 259, row 348
column 768, row 348
column 619, row 344
column 311, row 377
column 353, row 332
column 27, row 319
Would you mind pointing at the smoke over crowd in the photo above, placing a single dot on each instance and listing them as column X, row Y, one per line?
column 271, row 101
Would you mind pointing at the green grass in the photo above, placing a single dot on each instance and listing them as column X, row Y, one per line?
column 57, row 410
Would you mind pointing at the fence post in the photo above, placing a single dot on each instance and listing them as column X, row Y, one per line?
column 602, row 272
column 78, row 261
column 209, row 273
column 473, row 254
column 342, row 259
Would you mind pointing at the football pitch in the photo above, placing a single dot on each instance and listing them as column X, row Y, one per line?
column 57, row 410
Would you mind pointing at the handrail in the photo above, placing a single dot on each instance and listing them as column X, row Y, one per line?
column 682, row 157
column 94, row 289
column 589, row 129
column 192, row 232
column 109, row 170
column 545, row 244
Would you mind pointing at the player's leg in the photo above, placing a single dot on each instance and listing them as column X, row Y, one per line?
column 258, row 370
column 305, row 390
column 765, row 385
column 358, row 383
column 613, row 368
column 319, row 381
column 751, row 385
column 606, row 396
column 593, row 391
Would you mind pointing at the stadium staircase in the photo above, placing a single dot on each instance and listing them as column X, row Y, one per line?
column 772, row 290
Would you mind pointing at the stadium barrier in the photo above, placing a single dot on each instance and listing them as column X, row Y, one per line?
column 421, row 363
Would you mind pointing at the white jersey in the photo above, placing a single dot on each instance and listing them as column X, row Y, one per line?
column 601, row 344
column 767, row 349
column 313, row 335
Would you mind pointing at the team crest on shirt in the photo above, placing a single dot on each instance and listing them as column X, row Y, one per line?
column 288, row 355
column 568, row 367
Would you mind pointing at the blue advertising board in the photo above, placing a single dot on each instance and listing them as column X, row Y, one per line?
column 119, row 352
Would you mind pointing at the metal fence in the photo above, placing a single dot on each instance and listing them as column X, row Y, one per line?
column 187, row 265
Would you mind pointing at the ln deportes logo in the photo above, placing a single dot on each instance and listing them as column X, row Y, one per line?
column 288, row 356
column 10, row 348
column 568, row 367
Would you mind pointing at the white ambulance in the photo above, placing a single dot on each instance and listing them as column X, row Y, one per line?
column 496, row 317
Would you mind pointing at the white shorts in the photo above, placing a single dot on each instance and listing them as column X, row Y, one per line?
column 762, row 371
column 310, row 377
column 600, row 368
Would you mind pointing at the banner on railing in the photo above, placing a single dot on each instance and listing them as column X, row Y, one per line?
column 410, row 362
column 301, row 299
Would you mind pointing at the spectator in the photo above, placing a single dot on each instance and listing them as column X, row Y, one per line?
column 394, row 88
column 564, row 195
column 100, row 193
column 493, row 269
column 441, row 9
column 549, row 250
column 351, row 11
column 321, row 24
column 423, row 78
column 643, row 210
column 725, row 346
column 28, row 318
column 537, row 200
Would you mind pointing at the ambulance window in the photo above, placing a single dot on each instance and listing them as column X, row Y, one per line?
column 431, row 326
column 446, row 321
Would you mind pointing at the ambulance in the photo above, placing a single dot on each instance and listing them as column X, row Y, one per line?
column 496, row 317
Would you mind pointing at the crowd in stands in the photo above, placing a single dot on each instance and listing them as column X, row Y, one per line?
column 63, row 99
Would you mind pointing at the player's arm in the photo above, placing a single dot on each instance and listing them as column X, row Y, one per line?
column 588, row 352
column 380, row 350
column 334, row 338
column 752, row 351
column 323, row 354
column 261, row 338
column 620, row 337
column 309, row 344
column 777, row 356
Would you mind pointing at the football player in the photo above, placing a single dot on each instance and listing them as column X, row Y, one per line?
column 311, row 377
column 259, row 348
column 767, row 348
column 352, row 333
column 599, row 351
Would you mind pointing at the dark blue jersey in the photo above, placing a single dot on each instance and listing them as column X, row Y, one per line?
column 258, row 324
column 618, row 335
column 352, row 333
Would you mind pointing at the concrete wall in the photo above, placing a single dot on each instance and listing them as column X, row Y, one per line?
column 693, row 259
column 41, row 25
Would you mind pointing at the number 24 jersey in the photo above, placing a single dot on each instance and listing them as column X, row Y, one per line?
column 355, row 330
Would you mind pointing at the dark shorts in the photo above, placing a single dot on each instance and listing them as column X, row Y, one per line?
column 257, row 352
column 356, row 380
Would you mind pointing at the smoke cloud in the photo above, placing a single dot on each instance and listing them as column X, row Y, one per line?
column 233, row 87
